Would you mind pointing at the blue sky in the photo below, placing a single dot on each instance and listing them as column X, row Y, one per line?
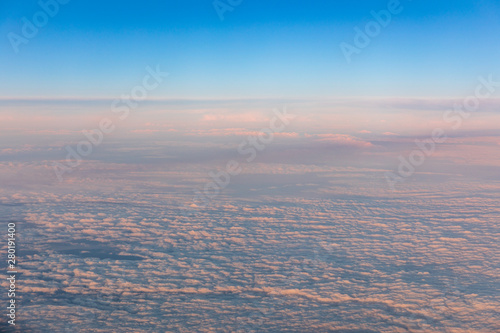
column 261, row 49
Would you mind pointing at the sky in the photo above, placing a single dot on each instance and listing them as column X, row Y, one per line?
column 261, row 49
column 173, row 168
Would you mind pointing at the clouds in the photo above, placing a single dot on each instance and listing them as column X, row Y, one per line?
column 64, row 120
column 334, row 258
column 306, row 237
column 342, row 140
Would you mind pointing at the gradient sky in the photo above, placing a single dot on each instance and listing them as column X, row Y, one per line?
column 261, row 49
